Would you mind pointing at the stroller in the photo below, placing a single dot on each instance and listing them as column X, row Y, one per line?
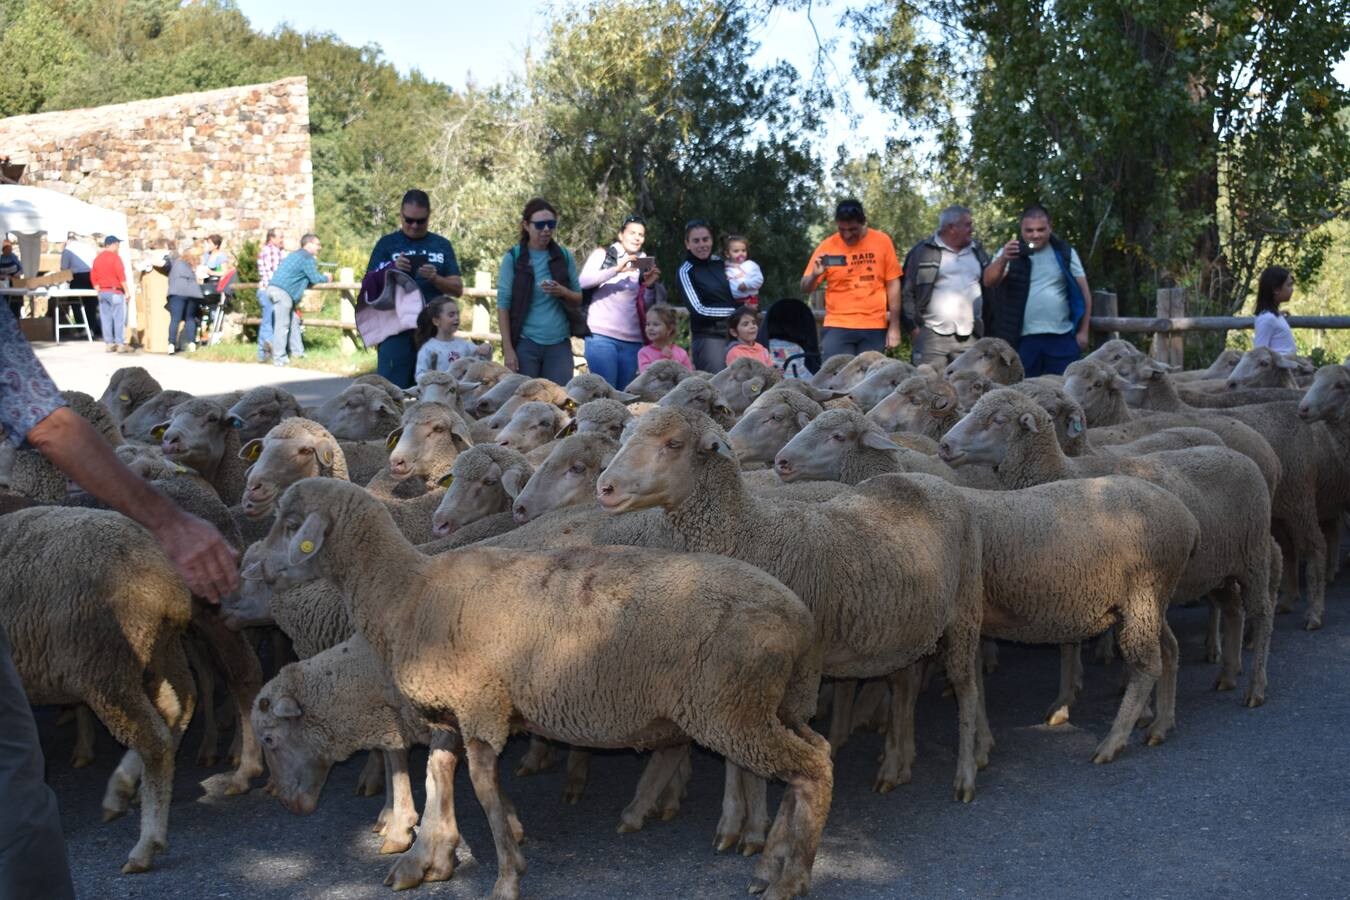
column 791, row 325
column 217, row 297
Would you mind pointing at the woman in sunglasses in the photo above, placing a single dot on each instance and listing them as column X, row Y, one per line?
column 430, row 260
column 539, row 299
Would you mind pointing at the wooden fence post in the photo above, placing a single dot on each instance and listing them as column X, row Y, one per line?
column 1169, row 347
column 481, row 320
column 1105, row 303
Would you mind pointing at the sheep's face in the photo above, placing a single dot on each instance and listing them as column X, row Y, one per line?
column 261, row 409
column 431, row 437
column 478, row 487
column 1096, row 387
column 660, row 462
column 818, row 453
column 657, row 380
column 127, row 390
column 140, row 425
column 1263, row 367
column 970, row 387
column 765, row 427
column 852, row 373
column 744, row 381
column 494, row 398
column 1120, row 356
column 443, row 390
column 585, row 388
column 827, row 376
column 195, row 435
column 604, row 416
column 148, row 462
column 982, row 437
column 1067, row 417
column 251, row 605
column 991, row 357
column 880, row 382
column 1327, row 399
column 697, row 393
column 278, row 463
column 916, row 403
column 362, row 412
column 298, row 766
column 533, row 425
column 566, row 478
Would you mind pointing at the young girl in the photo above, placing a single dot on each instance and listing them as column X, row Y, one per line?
column 744, row 275
column 660, row 330
column 1275, row 287
column 438, row 347
column 743, row 326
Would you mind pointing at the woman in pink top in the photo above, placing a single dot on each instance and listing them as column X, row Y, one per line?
column 660, row 329
column 743, row 326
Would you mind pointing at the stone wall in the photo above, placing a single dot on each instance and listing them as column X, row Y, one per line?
column 233, row 161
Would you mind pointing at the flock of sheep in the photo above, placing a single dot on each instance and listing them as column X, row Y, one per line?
column 680, row 561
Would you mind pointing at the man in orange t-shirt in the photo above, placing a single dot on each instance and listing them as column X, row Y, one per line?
column 862, row 285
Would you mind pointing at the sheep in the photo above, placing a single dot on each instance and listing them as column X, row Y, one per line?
column 972, row 385
column 992, row 357
column 851, row 374
column 375, row 380
column 361, row 412
column 140, row 425
column 1219, row 370
column 296, row 448
column 769, row 423
column 843, row 445
column 708, row 624
column 1068, row 416
column 199, row 436
column 655, row 381
column 262, row 408
column 533, row 425
column 1224, row 490
column 128, row 388
column 880, row 606
column 441, row 387
column 743, row 381
column 825, row 375
column 532, row 390
column 923, row 404
column 567, row 477
column 101, row 637
column 423, row 447
column 604, row 416
column 882, row 379
column 1222, row 399
column 698, row 393
column 483, row 374
column 484, row 480
column 495, row 397
column 584, row 388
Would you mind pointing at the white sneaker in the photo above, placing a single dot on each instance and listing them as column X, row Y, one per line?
column 172, row 350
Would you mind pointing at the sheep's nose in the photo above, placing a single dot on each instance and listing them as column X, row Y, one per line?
column 604, row 488
column 441, row 528
column 1232, row 385
column 1304, row 411
column 520, row 514
column 504, row 442
column 782, row 465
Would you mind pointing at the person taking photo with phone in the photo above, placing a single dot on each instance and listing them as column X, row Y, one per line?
column 1043, row 306
column 862, row 285
column 619, row 283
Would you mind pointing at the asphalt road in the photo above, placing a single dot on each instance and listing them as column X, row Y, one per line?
column 1237, row 803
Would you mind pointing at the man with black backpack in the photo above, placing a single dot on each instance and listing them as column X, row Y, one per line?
column 618, row 284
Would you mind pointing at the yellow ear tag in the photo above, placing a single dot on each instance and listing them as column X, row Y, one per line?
column 181, row 470
column 446, row 480
column 124, row 398
column 754, row 389
column 306, row 546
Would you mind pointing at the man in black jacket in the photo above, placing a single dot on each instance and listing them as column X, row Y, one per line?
column 941, row 292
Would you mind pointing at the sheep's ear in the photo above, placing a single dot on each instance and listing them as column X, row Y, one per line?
column 713, row 443
column 394, row 437
column 308, row 539
column 469, row 385
column 513, row 481
column 1119, row 383
column 569, row 427
column 286, row 708
column 878, row 441
column 460, row 431
column 326, row 452
column 252, row 572
column 158, row 431
column 803, row 418
column 446, row 480
column 1028, row 422
column 625, row 397
column 755, row 385
column 252, row 450
column 1008, row 354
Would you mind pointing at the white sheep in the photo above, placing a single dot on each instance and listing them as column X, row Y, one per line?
column 655, row 381
column 604, row 416
column 742, row 382
column 128, row 388
column 483, row 481
column 992, row 357
column 584, row 388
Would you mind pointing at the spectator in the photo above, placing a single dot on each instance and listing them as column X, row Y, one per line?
column 1044, row 306
column 185, row 296
column 437, row 346
column 539, row 299
column 296, row 273
column 269, row 257
column 703, row 278
column 619, row 296
column 1274, row 288
column 32, row 849
column 430, row 259
column 743, row 328
column 11, row 267
column 941, row 292
column 216, row 259
column 862, row 285
column 743, row 274
column 660, row 331
column 109, row 277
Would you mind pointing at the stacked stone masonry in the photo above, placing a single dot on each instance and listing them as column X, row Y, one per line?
column 233, row 161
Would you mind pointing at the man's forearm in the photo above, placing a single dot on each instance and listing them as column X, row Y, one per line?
column 993, row 273
column 450, row 285
column 893, row 302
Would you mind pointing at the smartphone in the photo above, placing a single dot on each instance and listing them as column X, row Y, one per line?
column 415, row 260
column 834, row 259
column 644, row 263
column 1023, row 248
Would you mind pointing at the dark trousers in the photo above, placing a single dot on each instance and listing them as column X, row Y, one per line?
column 33, row 862
column 182, row 310
column 396, row 359
column 708, row 353
column 551, row 361
column 834, row 341
column 1047, row 354
column 938, row 350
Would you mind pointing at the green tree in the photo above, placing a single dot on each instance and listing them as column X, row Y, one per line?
column 38, row 52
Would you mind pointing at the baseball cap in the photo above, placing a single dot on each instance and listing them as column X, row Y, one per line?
column 111, row 239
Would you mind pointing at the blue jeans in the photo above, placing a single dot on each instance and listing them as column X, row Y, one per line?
column 614, row 360
column 397, row 360
column 286, row 339
column 551, row 361
column 265, row 326
column 112, row 316
column 1048, row 354
column 182, row 310
column 834, row 341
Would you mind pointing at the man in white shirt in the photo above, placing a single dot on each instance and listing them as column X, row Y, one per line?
column 941, row 293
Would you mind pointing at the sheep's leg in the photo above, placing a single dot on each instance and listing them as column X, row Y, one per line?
column 668, row 804
column 842, row 717
column 733, row 809
column 1228, row 604
column 372, row 780
column 243, row 679
column 1214, row 631
column 1331, row 538
column 205, row 673
column 984, row 738
column 1259, row 595
column 1070, row 683
column 398, row 830
column 897, row 760
column 872, row 707
column 510, row 861
column 963, row 663
column 122, row 785
column 433, row 854
column 578, row 768
column 1106, row 646
column 1289, row 588
column 1166, row 719
column 659, row 772
column 1141, row 647
column 803, row 762
column 1317, row 580
column 538, row 758
column 84, row 737
column 989, row 656
column 387, row 811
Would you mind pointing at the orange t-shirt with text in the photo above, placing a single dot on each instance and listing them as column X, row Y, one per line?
column 855, row 293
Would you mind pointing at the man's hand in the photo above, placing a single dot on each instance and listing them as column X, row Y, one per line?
column 1012, row 248
column 893, row 335
column 915, row 333
column 403, row 264
column 509, row 359
column 208, row 564
column 426, row 272
column 1082, row 338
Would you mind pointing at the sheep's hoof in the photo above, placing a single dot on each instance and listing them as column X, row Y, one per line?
column 724, row 842
column 406, row 873
column 1254, row 700
column 1156, row 737
column 396, row 844
column 669, row 813
column 1105, row 754
column 80, row 760
column 366, row 789
column 572, row 796
column 757, row 886
column 234, row 789
column 135, row 867
column 110, row 813
column 1225, row 683
column 1058, row 716
column 630, row 824
column 964, row 793
column 1145, row 718
column 1313, row 623
column 751, row 845
column 207, row 760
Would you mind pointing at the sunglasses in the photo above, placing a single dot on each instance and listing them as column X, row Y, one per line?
column 545, row 225
column 411, row 221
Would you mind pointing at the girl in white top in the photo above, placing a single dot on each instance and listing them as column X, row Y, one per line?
column 438, row 347
column 743, row 274
column 1275, row 287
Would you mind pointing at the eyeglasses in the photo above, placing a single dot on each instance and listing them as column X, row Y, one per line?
column 545, row 224
column 412, row 221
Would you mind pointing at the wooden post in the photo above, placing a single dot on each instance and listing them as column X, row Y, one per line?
column 482, row 318
column 1169, row 347
column 1105, row 303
